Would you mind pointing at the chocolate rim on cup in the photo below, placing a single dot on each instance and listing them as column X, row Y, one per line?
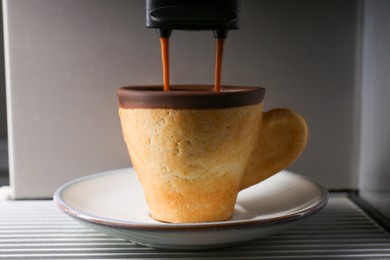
column 188, row 96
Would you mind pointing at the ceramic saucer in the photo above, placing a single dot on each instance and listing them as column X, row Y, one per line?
column 113, row 203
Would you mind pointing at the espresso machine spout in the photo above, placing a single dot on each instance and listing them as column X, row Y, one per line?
column 219, row 16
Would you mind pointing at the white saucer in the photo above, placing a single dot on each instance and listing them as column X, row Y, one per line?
column 113, row 203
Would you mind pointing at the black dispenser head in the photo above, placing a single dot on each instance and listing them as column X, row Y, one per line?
column 219, row 16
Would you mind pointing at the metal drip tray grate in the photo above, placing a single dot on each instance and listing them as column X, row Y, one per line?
column 37, row 230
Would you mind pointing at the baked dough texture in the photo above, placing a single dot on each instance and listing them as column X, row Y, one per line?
column 191, row 162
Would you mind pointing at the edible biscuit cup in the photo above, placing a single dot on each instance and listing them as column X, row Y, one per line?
column 194, row 149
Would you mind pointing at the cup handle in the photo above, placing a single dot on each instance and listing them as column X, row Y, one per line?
column 282, row 137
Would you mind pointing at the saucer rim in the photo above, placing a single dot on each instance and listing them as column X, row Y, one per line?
column 115, row 223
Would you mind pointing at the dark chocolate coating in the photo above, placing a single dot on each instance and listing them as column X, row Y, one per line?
column 188, row 97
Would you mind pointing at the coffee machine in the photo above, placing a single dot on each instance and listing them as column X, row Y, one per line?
column 328, row 60
column 75, row 56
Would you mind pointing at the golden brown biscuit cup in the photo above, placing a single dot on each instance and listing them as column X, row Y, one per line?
column 194, row 149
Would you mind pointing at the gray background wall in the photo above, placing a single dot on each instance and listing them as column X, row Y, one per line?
column 3, row 121
column 65, row 59
column 375, row 124
column 3, row 117
column 3, row 114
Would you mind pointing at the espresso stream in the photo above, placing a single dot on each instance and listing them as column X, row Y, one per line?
column 164, row 41
column 218, row 65
column 165, row 61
